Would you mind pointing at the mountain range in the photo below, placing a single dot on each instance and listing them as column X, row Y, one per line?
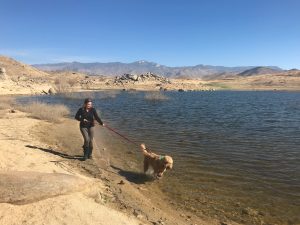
column 138, row 67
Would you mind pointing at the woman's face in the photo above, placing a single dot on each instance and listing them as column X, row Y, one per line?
column 89, row 105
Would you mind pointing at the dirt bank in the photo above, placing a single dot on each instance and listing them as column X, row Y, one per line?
column 37, row 187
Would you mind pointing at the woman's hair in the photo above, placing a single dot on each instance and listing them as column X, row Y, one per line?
column 86, row 101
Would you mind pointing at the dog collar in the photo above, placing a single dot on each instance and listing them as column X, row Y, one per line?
column 161, row 157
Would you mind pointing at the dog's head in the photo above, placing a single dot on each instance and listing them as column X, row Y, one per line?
column 143, row 146
column 166, row 164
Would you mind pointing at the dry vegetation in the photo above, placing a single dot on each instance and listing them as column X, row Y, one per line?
column 43, row 111
column 108, row 94
column 156, row 96
column 100, row 95
column 78, row 95
column 38, row 110
column 7, row 102
column 62, row 85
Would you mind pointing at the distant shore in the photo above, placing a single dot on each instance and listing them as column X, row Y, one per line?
column 18, row 78
column 11, row 88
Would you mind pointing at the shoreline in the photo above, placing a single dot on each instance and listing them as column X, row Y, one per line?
column 40, row 146
column 35, row 195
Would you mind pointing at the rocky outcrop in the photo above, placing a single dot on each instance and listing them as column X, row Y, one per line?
column 51, row 91
column 132, row 78
column 3, row 73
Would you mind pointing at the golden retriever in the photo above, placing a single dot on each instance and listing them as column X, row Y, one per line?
column 154, row 164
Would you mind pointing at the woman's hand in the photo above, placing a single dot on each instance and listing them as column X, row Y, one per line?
column 85, row 120
column 103, row 125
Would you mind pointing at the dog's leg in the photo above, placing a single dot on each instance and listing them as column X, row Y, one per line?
column 146, row 165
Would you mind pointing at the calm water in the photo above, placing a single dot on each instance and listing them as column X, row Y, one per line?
column 237, row 154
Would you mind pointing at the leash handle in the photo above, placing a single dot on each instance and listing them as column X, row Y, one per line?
column 121, row 135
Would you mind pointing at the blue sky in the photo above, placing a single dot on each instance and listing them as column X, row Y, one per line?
column 169, row 32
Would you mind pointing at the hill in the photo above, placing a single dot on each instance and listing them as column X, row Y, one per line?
column 139, row 67
column 16, row 70
column 19, row 78
column 260, row 70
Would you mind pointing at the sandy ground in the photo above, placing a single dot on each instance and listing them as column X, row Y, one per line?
column 84, row 205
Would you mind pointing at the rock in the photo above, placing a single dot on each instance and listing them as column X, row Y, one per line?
column 51, row 91
column 249, row 211
column 137, row 214
column 45, row 92
column 180, row 90
column 223, row 223
column 12, row 111
column 142, row 189
column 3, row 73
column 133, row 77
column 121, row 182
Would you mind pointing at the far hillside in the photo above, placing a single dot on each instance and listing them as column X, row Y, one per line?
column 139, row 67
column 260, row 70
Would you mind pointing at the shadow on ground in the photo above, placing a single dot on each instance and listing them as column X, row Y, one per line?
column 134, row 177
column 63, row 155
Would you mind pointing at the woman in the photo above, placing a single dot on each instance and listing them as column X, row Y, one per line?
column 87, row 116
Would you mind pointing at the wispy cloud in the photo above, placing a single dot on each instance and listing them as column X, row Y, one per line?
column 13, row 52
column 47, row 55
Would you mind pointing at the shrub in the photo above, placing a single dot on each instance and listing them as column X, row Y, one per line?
column 100, row 95
column 61, row 85
column 156, row 96
column 43, row 111
column 108, row 94
column 72, row 82
column 77, row 95
column 7, row 102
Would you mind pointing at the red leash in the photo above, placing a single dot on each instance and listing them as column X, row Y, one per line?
column 121, row 135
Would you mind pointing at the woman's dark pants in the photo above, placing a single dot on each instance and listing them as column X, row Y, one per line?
column 88, row 136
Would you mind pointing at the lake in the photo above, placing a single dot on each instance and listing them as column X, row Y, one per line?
column 237, row 154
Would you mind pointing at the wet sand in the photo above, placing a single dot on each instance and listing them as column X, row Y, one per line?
column 138, row 196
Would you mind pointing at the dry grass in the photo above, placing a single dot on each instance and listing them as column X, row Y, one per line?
column 156, row 96
column 61, row 85
column 100, row 95
column 78, row 95
column 43, row 111
column 108, row 94
column 7, row 102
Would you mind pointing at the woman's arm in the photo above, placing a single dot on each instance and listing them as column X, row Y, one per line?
column 97, row 117
column 78, row 115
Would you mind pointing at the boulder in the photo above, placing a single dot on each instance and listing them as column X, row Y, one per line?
column 3, row 73
column 52, row 91
column 132, row 77
column 128, row 78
